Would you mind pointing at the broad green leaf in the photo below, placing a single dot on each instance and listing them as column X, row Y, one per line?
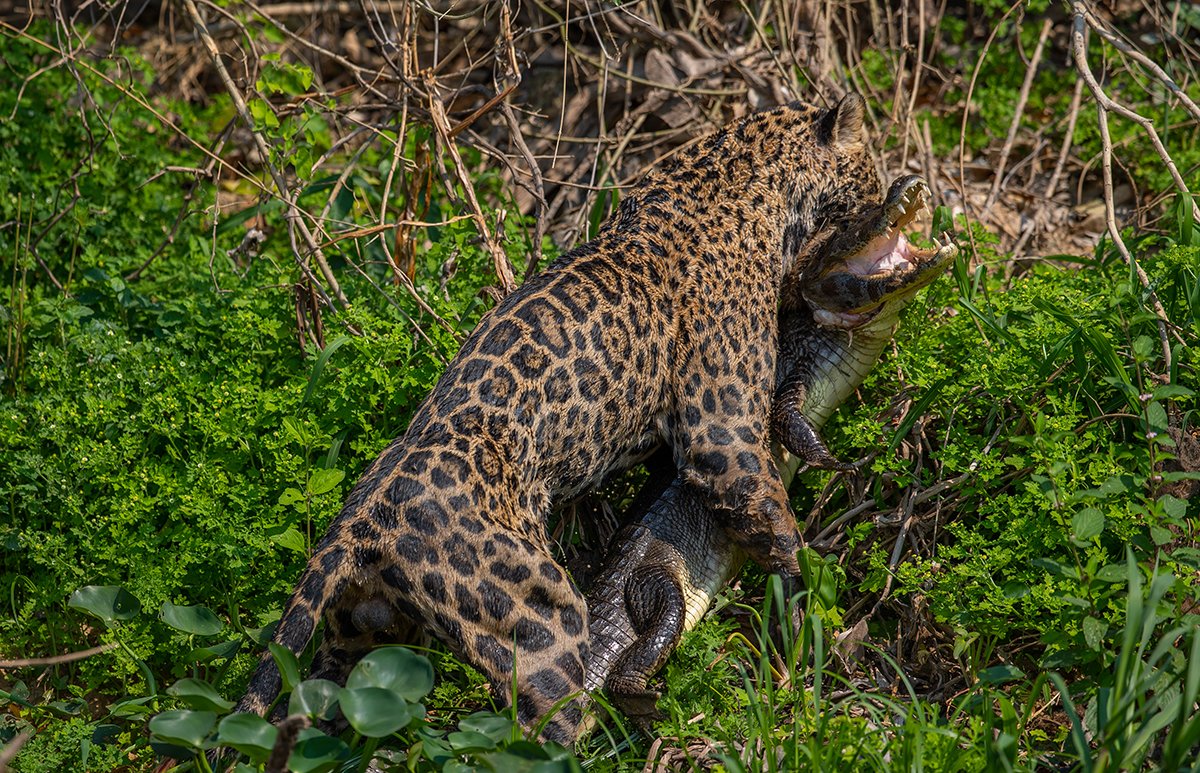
column 1143, row 347
column 316, row 752
column 1087, row 523
column 291, row 496
column 110, row 603
column 278, row 77
column 182, row 727
column 394, row 668
column 1170, row 392
column 1156, row 417
column 1114, row 573
column 323, row 481
column 1173, row 506
column 195, row 620
column 1093, row 632
column 221, row 651
column 1000, row 674
column 263, row 113
column 289, row 665
column 316, row 698
column 1160, row 535
column 528, row 757
column 291, row 539
column 470, row 741
column 250, row 734
column 374, row 712
column 1054, row 567
column 199, row 695
column 494, row 726
column 1015, row 590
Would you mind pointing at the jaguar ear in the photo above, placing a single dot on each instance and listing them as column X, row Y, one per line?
column 843, row 125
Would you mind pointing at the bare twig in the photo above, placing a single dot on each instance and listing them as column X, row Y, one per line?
column 503, row 268
column 54, row 660
column 295, row 217
column 1103, row 106
column 1079, row 28
column 1018, row 113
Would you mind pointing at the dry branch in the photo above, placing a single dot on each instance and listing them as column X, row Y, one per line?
column 1104, row 104
column 295, row 217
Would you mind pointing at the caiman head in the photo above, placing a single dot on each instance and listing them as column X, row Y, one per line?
column 868, row 265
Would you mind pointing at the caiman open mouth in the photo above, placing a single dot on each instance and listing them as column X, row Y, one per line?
column 891, row 251
column 870, row 262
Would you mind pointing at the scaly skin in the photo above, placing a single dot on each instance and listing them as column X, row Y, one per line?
column 663, row 570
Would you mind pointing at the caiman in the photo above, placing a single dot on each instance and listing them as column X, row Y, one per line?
column 663, row 569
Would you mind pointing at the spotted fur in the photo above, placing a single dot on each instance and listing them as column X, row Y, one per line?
column 660, row 330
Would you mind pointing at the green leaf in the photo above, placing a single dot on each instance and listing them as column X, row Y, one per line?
column 1160, row 535
column 1093, row 632
column 297, row 432
column 249, row 733
column 316, row 752
column 494, row 726
column 1143, row 347
column 196, row 620
column 289, row 665
column 316, row 698
column 1173, row 506
column 279, row 77
column 291, row 539
column 1087, row 524
column 223, row 651
column 263, row 113
column 943, row 220
column 374, row 712
column 1156, row 417
column 1170, row 392
column 1054, row 567
column 470, row 741
column 323, row 481
column 1185, row 223
column 1015, row 590
column 291, row 496
column 199, row 695
column 1000, row 674
column 319, row 365
column 182, row 727
column 394, row 668
column 110, row 603
column 1113, row 573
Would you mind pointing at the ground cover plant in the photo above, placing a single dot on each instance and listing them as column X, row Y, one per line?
column 229, row 281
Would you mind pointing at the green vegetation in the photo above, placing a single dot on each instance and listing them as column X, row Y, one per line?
column 178, row 425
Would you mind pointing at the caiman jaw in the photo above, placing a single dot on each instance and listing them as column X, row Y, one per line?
column 891, row 250
column 872, row 262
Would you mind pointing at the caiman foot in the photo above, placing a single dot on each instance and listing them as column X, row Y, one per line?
column 800, row 437
column 635, row 700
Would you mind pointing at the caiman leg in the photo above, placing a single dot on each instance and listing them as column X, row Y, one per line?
column 656, row 607
column 796, row 433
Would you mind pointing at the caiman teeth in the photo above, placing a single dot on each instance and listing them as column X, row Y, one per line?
column 914, row 202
